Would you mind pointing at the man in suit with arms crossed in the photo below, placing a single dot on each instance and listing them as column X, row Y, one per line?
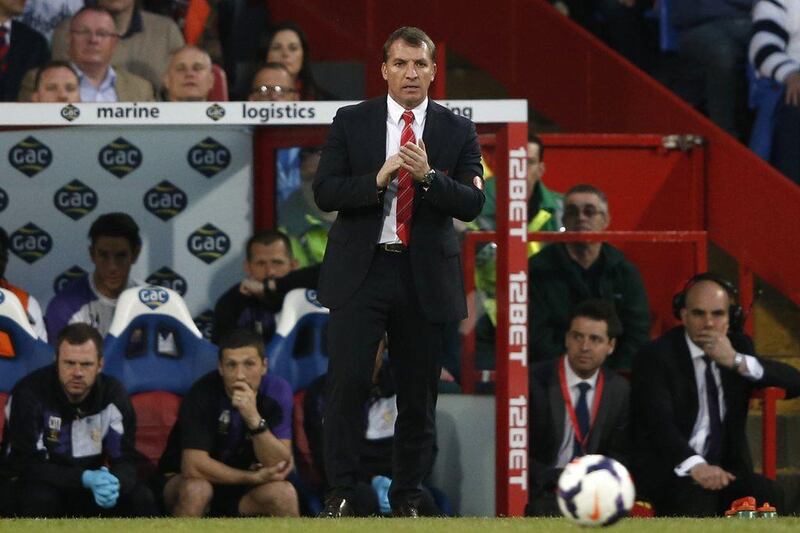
column 690, row 393
column 577, row 407
column 397, row 169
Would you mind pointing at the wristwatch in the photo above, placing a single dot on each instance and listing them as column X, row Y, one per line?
column 738, row 361
column 260, row 428
column 428, row 177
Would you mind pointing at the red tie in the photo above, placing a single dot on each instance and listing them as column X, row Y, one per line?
column 405, row 185
column 4, row 46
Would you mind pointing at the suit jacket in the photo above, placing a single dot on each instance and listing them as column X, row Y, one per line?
column 345, row 182
column 665, row 406
column 610, row 434
column 130, row 87
column 28, row 50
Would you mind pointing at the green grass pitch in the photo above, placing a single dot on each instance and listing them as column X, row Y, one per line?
column 370, row 525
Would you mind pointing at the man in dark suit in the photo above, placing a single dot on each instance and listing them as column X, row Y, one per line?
column 690, row 393
column 392, row 260
column 577, row 407
column 21, row 49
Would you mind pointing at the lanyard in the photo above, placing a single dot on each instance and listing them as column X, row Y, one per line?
column 598, row 392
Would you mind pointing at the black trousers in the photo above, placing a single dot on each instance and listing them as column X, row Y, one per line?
column 686, row 498
column 386, row 302
column 42, row 500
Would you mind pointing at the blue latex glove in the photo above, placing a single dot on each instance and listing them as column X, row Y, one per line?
column 381, row 484
column 104, row 486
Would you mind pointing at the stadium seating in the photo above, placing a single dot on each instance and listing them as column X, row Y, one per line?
column 219, row 91
column 154, row 348
column 31, row 352
column 296, row 352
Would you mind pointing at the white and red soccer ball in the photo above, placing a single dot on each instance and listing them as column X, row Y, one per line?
column 595, row 490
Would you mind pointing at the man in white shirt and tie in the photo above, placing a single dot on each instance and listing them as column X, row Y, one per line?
column 690, row 394
column 577, row 407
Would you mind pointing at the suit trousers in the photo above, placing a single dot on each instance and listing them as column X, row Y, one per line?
column 386, row 302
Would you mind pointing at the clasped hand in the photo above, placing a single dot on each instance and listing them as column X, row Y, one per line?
column 104, row 486
column 717, row 346
column 412, row 157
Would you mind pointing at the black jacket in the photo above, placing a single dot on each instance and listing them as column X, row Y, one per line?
column 28, row 50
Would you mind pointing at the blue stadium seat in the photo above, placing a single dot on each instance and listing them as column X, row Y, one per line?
column 297, row 351
column 153, row 344
column 30, row 352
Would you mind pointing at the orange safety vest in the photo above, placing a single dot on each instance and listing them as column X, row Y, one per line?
column 6, row 348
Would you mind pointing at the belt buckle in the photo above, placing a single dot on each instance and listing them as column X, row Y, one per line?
column 393, row 247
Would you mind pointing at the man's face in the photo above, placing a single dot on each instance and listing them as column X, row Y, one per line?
column 706, row 311
column 93, row 38
column 286, row 49
column 57, row 84
column 78, row 366
column 588, row 345
column 273, row 84
column 11, row 8
column 408, row 71
column 269, row 261
column 112, row 258
column 584, row 211
column 535, row 167
column 189, row 77
column 242, row 365
column 117, row 6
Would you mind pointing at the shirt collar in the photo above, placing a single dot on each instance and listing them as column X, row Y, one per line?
column 136, row 24
column 396, row 110
column 694, row 350
column 573, row 379
column 110, row 79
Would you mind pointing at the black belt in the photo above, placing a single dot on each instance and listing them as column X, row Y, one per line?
column 393, row 247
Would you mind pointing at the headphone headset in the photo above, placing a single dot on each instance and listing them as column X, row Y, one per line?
column 736, row 314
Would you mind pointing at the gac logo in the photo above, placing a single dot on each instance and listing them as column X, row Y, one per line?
column 153, row 297
column 166, row 277
column 66, row 277
column 30, row 156
column 208, row 157
column 209, row 243
column 3, row 200
column 165, row 200
column 75, row 200
column 30, row 243
column 204, row 322
column 120, row 157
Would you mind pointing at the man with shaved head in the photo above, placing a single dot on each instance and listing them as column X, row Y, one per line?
column 188, row 77
column 690, row 394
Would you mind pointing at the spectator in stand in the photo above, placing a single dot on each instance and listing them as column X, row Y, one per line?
column 775, row 54
column 30, row 304
column 21, row 49
column 269, row 257
column 144, row 43
column 231, row 449
column 57, row 81
column 69, row 441
column 273, row 83
column 561, row 391
column 690, row 395
column 714, row 34
column 288, row 45
column 92, row 41
column 115, row 246
column 189, row 77
column 564, row 274
column 44, row 15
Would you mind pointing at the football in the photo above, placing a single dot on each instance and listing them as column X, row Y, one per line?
column 595, row 490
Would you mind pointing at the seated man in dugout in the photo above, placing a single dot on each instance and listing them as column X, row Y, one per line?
column 188, row 77
column 230, row 451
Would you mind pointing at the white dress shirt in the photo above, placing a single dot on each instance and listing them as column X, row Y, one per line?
column 106, row 92
column 699, row 437
column 394, row 130
column 567, row 442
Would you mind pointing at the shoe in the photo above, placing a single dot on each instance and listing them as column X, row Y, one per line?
column 336, row 507
column 406, row 510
